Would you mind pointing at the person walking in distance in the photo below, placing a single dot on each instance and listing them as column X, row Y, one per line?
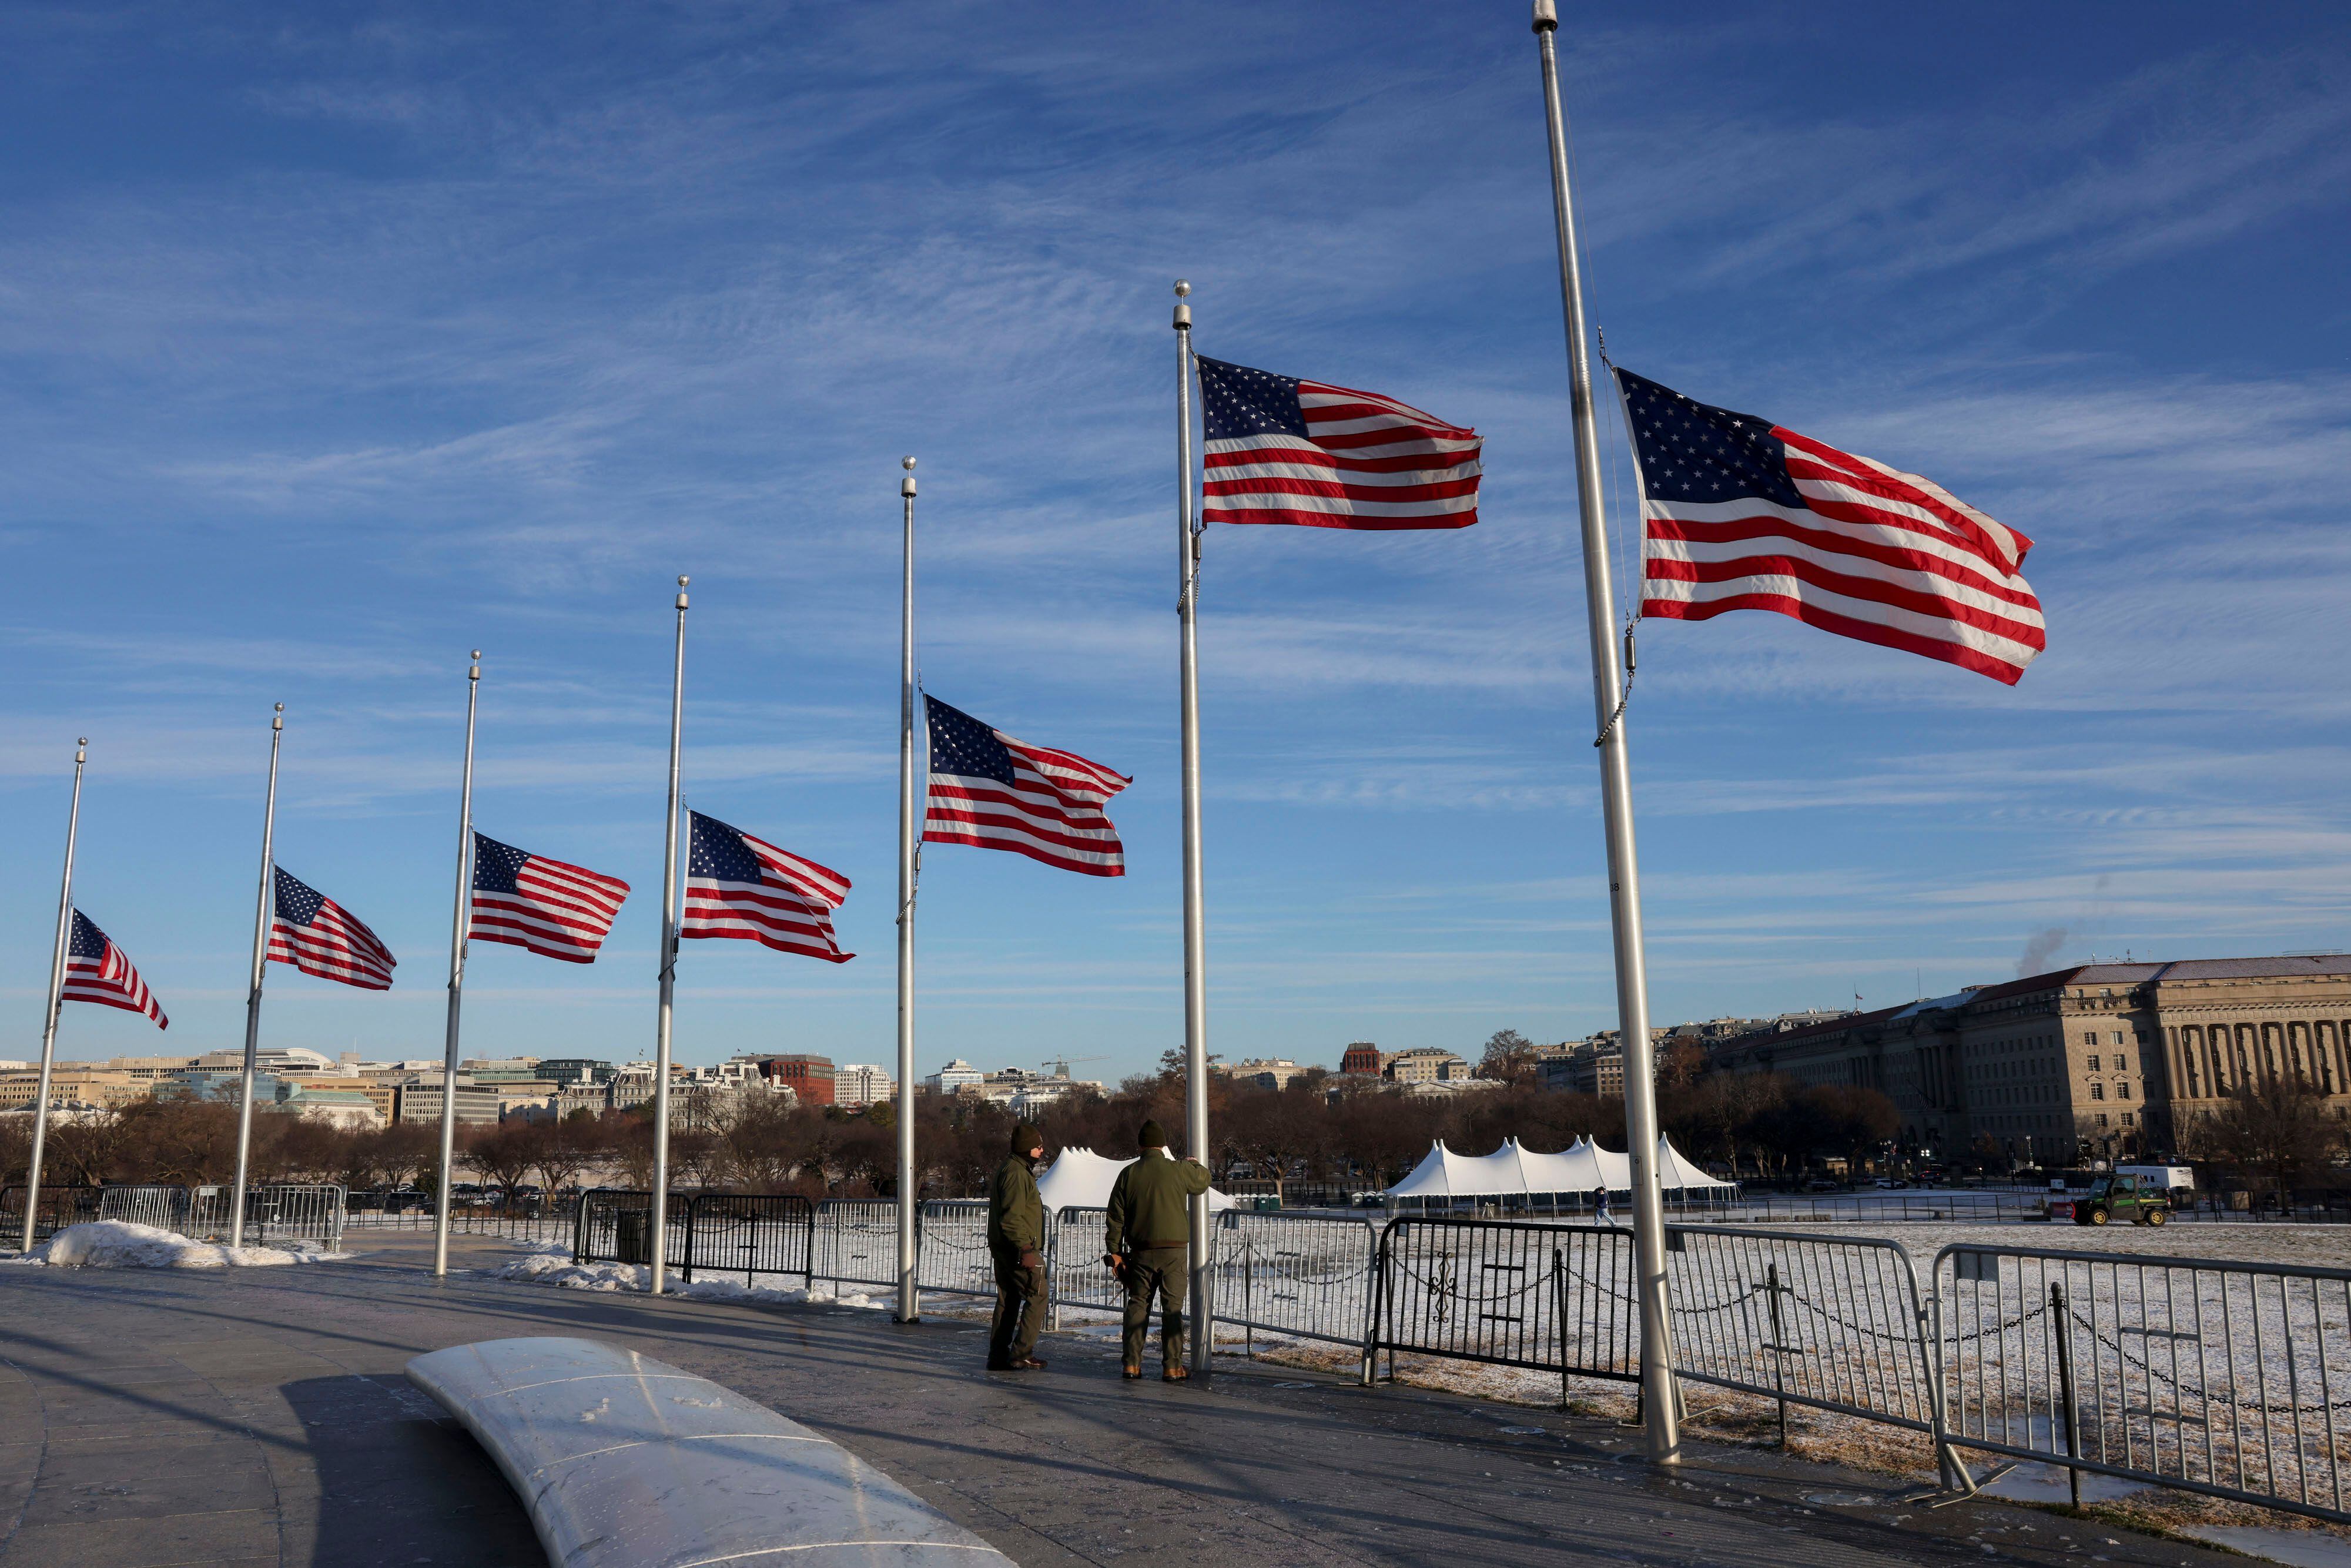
column 1016, row 1243
column 1600, row 1206
column 1148, row 1232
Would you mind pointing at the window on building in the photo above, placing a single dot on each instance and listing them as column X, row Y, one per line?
column 2116, row 1038
column 2094, row 1064
column 2098, row 1090
column 2102, row 1118
column 2126, row 1119
column 2090, row 1036
column 2122, row 1088
column 2122, row 1063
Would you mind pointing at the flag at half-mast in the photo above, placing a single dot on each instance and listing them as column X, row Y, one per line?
column 1742, row 513
column 98, row 971
column 747, row 888
column 1277, row 449
column 994, row 793
column 556, row 910
column 319, row 936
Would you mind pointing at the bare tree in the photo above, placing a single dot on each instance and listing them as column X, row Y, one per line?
column 1273, row 1129
column 2275, row 1130
column 757, row 1143
column 15, row 1147
column 83, row 1154
column 404, row 1151
column 1510, row 1057
column 571, row 1145
column 502, row 1152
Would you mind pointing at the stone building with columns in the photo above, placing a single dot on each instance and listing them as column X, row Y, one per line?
column 2102, row 1060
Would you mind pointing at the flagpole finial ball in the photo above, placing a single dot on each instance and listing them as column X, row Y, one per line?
column 1182, row 288
column 906, row 463
column 83, row 740
column 681, row 579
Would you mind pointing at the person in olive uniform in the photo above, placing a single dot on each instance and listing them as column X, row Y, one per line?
column 1148, row 1231
column 1016, row 1243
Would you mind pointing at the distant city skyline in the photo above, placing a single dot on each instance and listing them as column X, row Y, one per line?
column 341, row 344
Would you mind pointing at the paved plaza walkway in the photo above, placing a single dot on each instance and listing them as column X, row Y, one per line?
column 260, row 1416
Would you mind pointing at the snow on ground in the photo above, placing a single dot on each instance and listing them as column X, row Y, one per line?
column 118, row 1244
column 2308, row 1245
column 555, row 1267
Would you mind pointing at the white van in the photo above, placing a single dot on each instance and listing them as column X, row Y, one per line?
column 2163, row 1179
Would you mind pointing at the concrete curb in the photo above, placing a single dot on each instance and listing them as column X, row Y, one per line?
column 627, row 1462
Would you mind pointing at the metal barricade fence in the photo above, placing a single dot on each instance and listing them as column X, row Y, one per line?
column 856, row 1242
column 613, row 1226
column 1830, row 1322
column 278, row 1212
column 952, row 1247
column 1834, row 1323
column 556, row 1221
column 2228, row 1378
column 1075, row 1274
column 163, row 1208
column 751, row 1234
column 1300, row 1276
column 60, row 1207
column 1507, row 1292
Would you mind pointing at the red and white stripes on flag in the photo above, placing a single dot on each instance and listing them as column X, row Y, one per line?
column 1742, row 513
column 991, row 791
column 743, row 887
column 1280, row 450
column 556, row 910
column 98, row 971
column 319, row 936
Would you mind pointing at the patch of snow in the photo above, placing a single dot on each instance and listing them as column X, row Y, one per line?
column 118, row 1244
column 557, row 1269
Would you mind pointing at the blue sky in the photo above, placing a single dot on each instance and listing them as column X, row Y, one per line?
column 335, row 344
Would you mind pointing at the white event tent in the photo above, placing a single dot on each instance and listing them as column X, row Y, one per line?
column 1081, row 1178
column 1516, row 1171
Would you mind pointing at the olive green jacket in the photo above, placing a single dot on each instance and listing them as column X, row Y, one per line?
column 1015, row 1214
column 1149, row 1204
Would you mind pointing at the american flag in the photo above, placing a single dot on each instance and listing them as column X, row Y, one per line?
column 319, row 936
column 1281, row 450
column 740, row 886
column 990, row 790
column 556, row 910
column 1741, row 513
column 98, row 971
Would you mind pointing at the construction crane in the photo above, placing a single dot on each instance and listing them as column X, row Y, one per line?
column 1058, row 1066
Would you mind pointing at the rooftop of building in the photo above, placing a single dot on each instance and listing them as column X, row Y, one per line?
column 2283, row 966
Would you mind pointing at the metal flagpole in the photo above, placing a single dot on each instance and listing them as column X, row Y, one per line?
column 57, row 1001
column 659, row 1220
column 910, row 1305
column 460, row 923
column 1659, row 1405
column 262, row 900
column 1196, row 937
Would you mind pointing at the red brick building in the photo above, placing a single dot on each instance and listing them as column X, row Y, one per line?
column 1364, row 1058
column 809, row 1077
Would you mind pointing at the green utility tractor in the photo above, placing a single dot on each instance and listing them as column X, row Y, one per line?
column 2114, row 1198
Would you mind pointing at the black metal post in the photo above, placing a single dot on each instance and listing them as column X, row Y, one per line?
column 2071, row 1425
